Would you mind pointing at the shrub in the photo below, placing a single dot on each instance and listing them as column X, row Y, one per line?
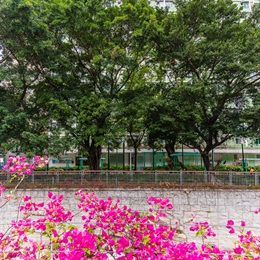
column 108, row 230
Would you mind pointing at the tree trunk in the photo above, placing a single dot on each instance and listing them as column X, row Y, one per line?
column 205, row 158
column 135, row 158
column 170, row 148
column 94, row 156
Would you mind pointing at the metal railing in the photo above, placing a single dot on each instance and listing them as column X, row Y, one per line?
column 116, row 179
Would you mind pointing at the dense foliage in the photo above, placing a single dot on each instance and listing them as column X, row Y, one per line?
column 81, row 74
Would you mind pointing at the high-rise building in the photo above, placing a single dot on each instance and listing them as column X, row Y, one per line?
column 247, row 5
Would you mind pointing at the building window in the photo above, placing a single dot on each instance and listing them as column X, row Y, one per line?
column 245, row 5
column 238, row 140
column 169, row 4
column 165, row 4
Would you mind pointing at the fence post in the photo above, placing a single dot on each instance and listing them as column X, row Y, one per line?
column 256, row 179
column 181, row 179
column 52, row 181
column 57, row 177
column 33, row 178
column 106, row 177
column 81, row 176
column 206, row 176
column 8, row 177
column 230, row 178
column 155, row 177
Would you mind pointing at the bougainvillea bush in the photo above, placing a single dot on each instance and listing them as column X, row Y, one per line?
column 108, row 230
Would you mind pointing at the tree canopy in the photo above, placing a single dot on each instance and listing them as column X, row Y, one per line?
column 82, row 55
column 210, row 52
column 74, row 74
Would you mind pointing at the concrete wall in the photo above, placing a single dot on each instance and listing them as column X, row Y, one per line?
column 214, row 206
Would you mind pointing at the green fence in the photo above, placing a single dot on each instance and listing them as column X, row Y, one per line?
column 116, row 179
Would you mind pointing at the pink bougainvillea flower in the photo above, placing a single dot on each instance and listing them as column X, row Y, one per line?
column 243, row 223
column 2, row 188
column 230, row 222
column 231, row 231
column 239, row 250
column 257, row 211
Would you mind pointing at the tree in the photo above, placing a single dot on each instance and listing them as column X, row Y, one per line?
column 210, row 52
column 132, row 110
column 83, row 53
column 24, row 125
column 165, row 121
column 17, row 109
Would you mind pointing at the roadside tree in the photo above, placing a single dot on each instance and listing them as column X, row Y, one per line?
column 83, row 54
column 209, row 52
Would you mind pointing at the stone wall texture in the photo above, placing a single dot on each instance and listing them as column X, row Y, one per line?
column 214, row 206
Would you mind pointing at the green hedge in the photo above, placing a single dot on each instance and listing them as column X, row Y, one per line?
column 53, row 168
column 228, row 167
column 221, row 167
